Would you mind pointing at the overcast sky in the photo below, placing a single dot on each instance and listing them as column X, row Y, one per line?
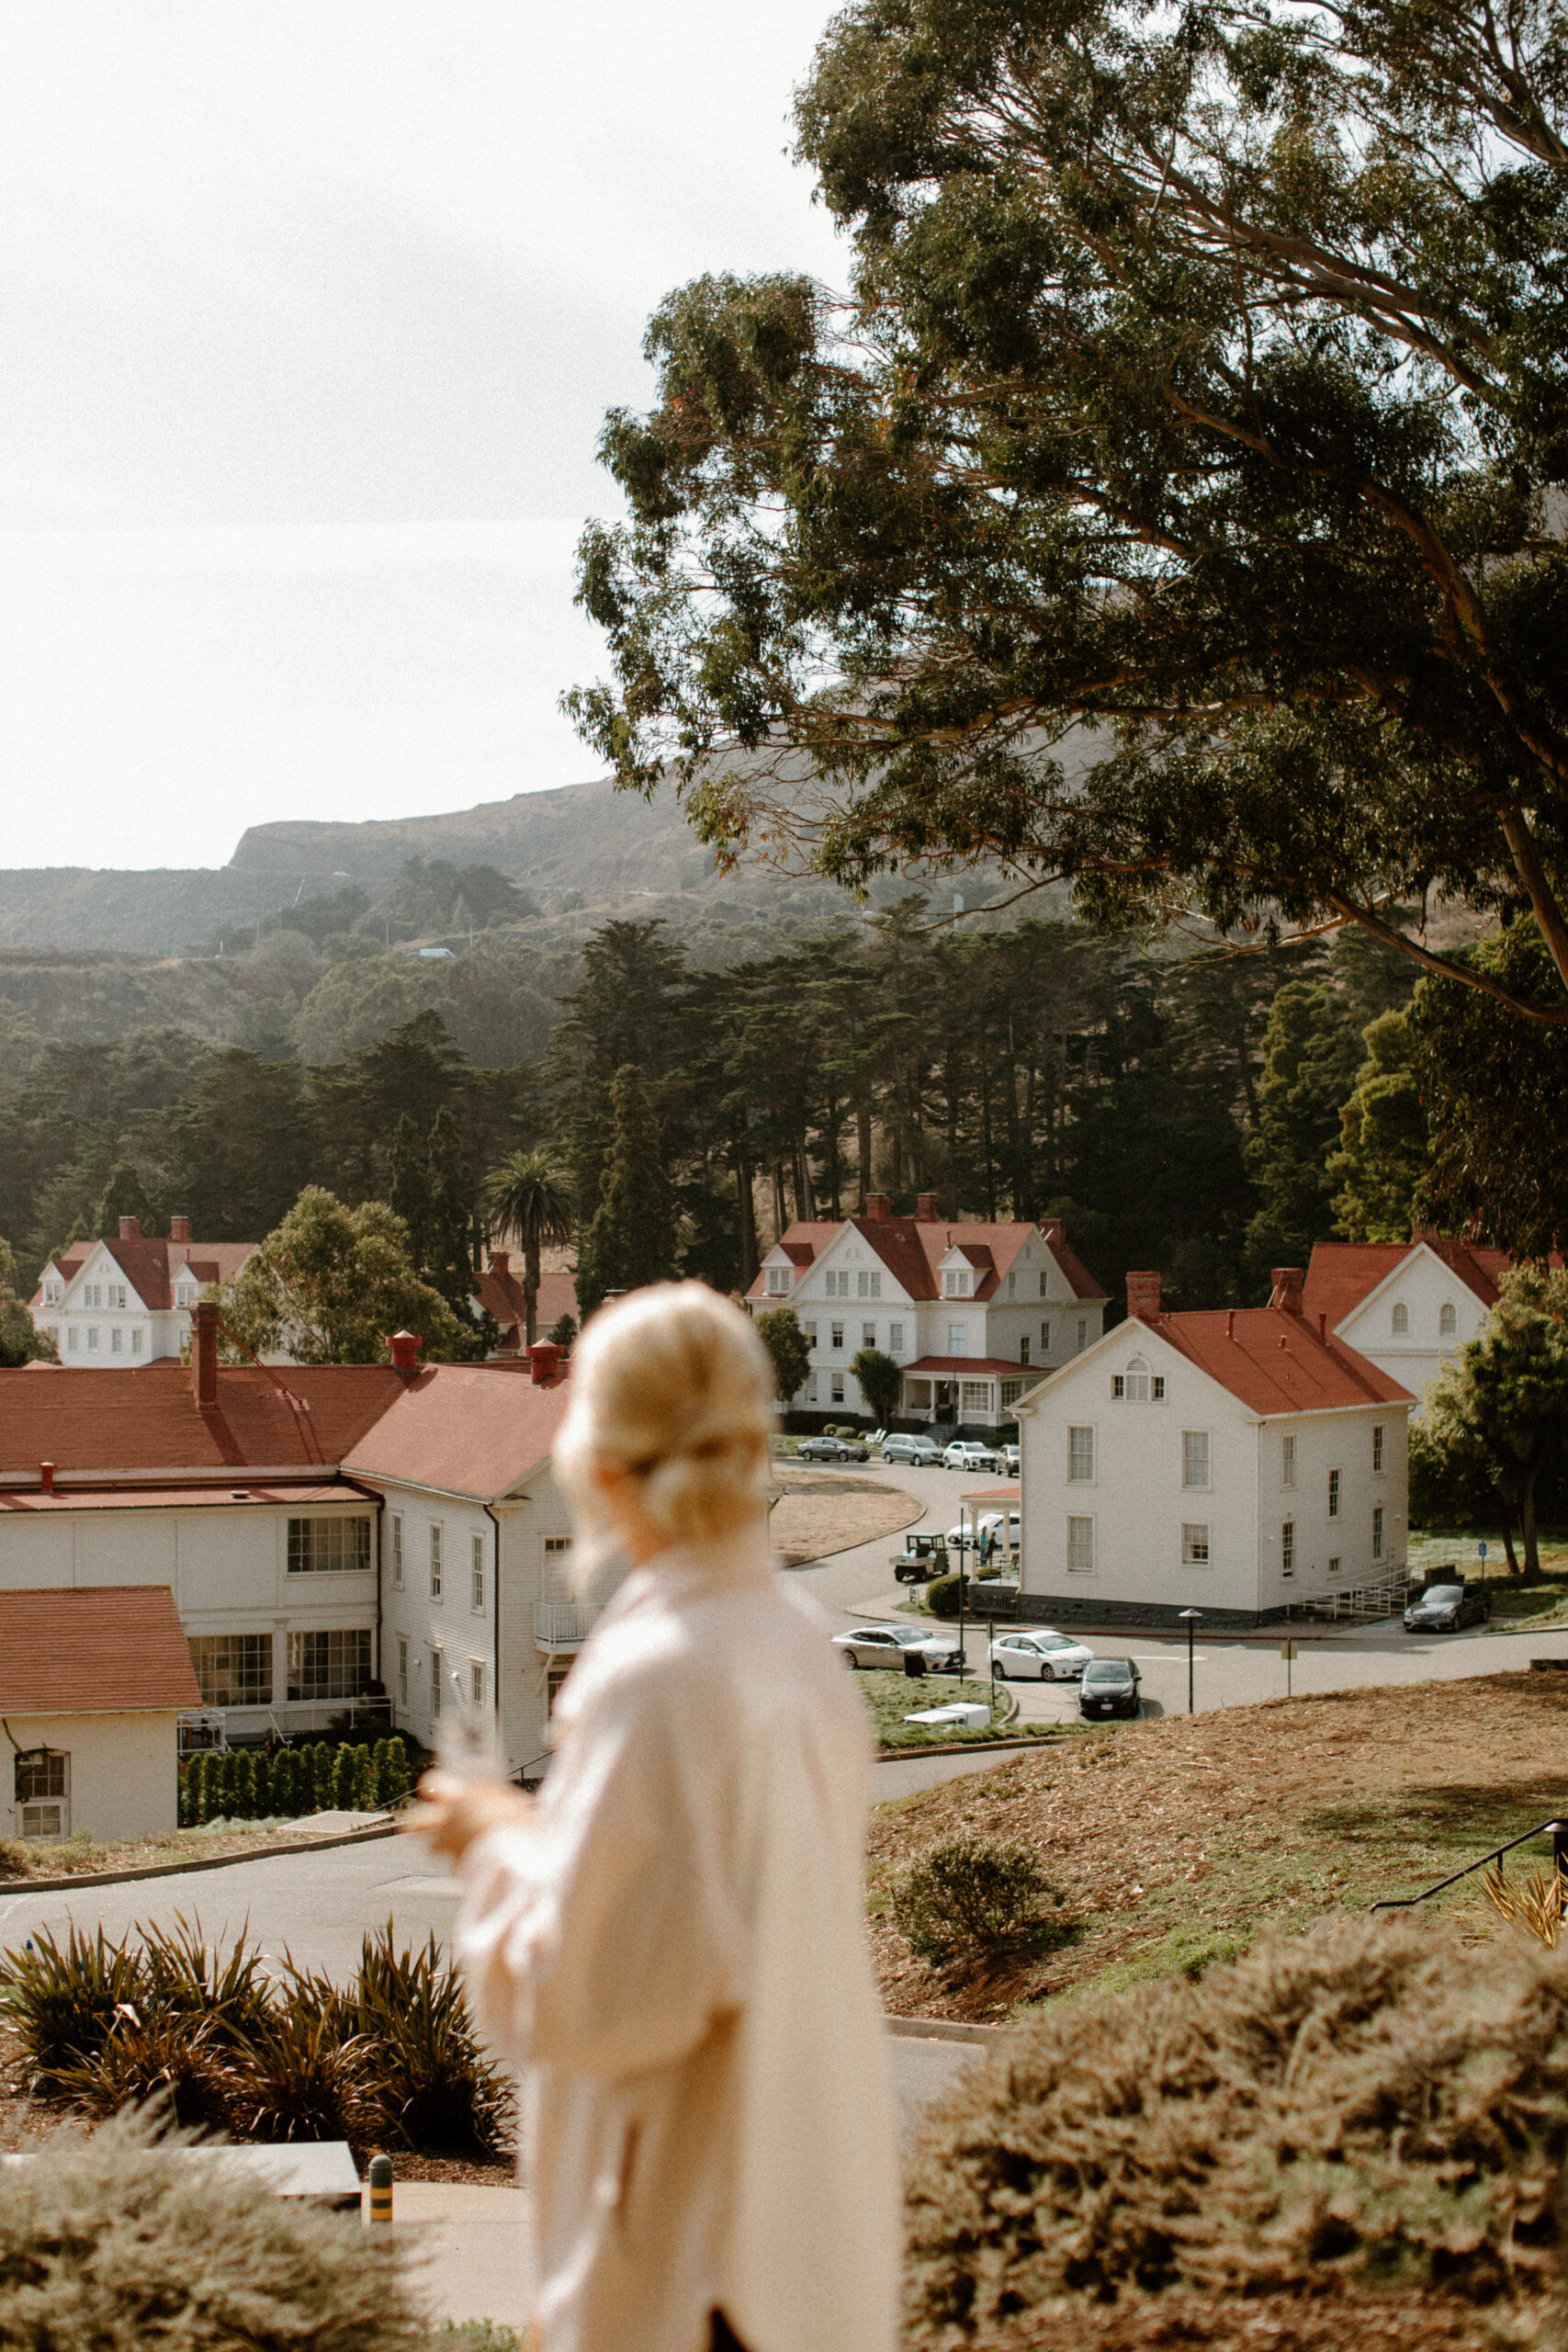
column 311, row 314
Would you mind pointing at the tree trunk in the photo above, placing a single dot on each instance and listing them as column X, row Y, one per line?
column 746, row 1206
column 862, row 1148
column 530, row 1291
column 1508, row 1552
column 1528, row 1529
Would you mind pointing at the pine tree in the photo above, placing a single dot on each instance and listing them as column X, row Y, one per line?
column 448, row 1258
column 123, row 1195
column 631, row 1240
column 1383, row 1155
column 408, row 1186
column 1309, row 1061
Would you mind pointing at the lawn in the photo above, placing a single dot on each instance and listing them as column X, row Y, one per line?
column 891, row 1697
column 1179, row 1841
column 1519, row 1606
column 84, row 1854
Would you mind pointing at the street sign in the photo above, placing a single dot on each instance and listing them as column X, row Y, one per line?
column 1483, row 1550
column 1287, row 1650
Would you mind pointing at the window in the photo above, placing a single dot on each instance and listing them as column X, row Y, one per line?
column 476, row 1682
column 1377, row 1448
column 1334, row 1494
column 1194, row 1547
column 868, row 1335
column 958, row 1338
column 397, row 1549
column 136, row 1342
column 92, row 1338
column 317, row 1546
column 1195, row 1457
column 1377, row 1531
column 838, row 1285
column 1334, row 1566
column 1133, row 1384
column 75, row 1339
column 557, row 1568
column 232, row 1670
column 896, row 1339
column 436, row 1686
column 1011, row 1391
column 1044, row 1339
column 1401, row 1322
column 1448, row 1322
column 1288, row 1548
column 778, row 1281
column 1080, row 1457
column 869, row 1285
column 117, row 1293
column 403, row 1669
column 329, row 1665
column 43, row 1791
column 1044, row 1277
column 477, row 1574
column 811, row 1388
column 838, row 1388
column 435, row 1561
column 836, row 1335
column 809, row 1331
column 1023, row 1350
column 183, row 1297
column 1083, row 1340
column 117, row 1342
column 1080, row 1547
column 976, row 1396
column 1287, row 1462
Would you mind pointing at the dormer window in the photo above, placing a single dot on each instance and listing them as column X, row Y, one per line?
column 778, row 1283
column 1138, row 1384
column 1402, row 1322
column 958, row 1282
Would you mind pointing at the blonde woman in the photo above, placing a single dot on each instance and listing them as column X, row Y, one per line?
column 672, row 1938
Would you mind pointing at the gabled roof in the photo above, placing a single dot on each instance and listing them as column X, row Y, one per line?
column 149, row 1419
column 912, row 1248
column 93, row 1649
column 149, row 1266
column 464, row 1429
column 502, row 1294
column 1344, row 1274
column 1272, row 1362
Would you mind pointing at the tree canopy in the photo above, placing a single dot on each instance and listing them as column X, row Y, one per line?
column 1174, row 504
column 331, row 1283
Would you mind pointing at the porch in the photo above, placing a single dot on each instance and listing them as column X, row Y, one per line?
column 975, row 1392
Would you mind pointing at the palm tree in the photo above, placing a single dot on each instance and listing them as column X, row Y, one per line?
column 530, row 1195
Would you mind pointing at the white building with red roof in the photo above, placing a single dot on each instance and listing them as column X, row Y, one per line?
column 968, row 1310
column 383, row 1540
column 1240, row 1462
column 128, row 1299
column 1408, row 1306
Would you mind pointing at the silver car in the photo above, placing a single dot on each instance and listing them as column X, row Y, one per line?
column 968, row 1454
column 886, row 1646
column 1042, row 1657
column 919, row 1451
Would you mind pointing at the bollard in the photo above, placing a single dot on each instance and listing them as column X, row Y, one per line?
column 381, row 2191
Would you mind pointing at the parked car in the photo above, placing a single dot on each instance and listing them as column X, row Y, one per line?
column 1109, row 1687
column 968, row 1454
column 1009, row 1461
column 1042, row 1657
column 1444, row 1608
column 829, row 1449
column 886, row 1645
column 975, row 1530
column 922, row 1452
column 923, row 1556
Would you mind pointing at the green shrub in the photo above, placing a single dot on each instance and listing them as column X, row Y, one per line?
column 1363, row 2108
column 392, row 1781
column 942, row 1596
column 970, row 1898
column 433, row 2086
column 193, row 1793
column 226, row 1993
column 184, row 1815
column 261, row 1776
column 144, row 2056
column 62, row 1998
column 14, row 1860
column 285, row 1782
column 244, row 1785
column 322, row 1768
column 117, row 2244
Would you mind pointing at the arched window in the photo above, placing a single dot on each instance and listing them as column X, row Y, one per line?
column 1448, row 1322
column 1136, row 1384
column 1402, row 1322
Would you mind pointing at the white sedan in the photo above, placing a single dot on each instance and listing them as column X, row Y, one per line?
column 1045, row 1657
column 887, row 1645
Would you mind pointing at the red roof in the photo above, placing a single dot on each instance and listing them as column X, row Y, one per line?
column 502, row 1294
column 464, row 1429
column 1343, row 1273
column 1273, row 1362
column 913, row 1249
column 303, row 1417
column 149, row 1266
column 946, row 1366
column 93, row 1649
column 201, row 1496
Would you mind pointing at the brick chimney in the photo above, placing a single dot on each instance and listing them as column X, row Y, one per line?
column 878, row 1207
column 1428, row 1233
column 405, row 1348
column 1051, row 1228
column 46, row 1476
column 204, row 1352
column 926, row 1211
column 544, row 1360
column 130, row 1228
column 500, row 1262
column 179, row 1229
column 1142, row 1297
column 1287, row 1282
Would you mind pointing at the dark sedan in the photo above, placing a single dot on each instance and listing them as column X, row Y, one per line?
column 828, row 1449
column 1444, row 1608
column 1109, row 1687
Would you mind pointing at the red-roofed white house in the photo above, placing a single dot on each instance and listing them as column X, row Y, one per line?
column 127, row 1299
column 968, row 1310
column 1240, row 1462
column 1408, row 1306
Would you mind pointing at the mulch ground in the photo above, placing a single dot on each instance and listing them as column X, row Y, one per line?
column 1276, row 2324
column 1165, row 1833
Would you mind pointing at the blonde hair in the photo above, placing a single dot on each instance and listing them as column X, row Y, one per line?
column 673, row 1385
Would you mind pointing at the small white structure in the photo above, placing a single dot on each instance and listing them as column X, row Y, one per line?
column 1240, row 1462
column 127, row 1300
column 92, row 1684
column 969, row 1311
column 1406, row 1306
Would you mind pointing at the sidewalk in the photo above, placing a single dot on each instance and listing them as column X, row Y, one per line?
column 470, row 2251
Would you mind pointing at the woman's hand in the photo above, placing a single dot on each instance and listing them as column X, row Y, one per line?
column 453, row 1812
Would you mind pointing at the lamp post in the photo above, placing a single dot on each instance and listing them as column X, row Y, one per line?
column 1189, row 1618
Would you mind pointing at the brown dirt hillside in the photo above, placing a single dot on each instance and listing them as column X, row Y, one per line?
column 1178, row 1841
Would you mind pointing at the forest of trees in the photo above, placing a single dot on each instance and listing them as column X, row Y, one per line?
column 1210, row 1118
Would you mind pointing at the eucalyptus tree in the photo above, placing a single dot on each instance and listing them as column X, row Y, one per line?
column 1176, row 501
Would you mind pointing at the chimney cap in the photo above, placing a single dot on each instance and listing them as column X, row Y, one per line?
column 544, row 1359
column 130, row 1228
column 179, row 1229
column 879, row 1206
column 404, row 1348
column 46, row 1476
column 926, row 1210
column 500, row 1261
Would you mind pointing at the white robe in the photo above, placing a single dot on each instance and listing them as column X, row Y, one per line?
column 677, row 1948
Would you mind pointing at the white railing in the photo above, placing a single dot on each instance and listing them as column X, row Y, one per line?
column 564, row 1624
column 1369, row 1602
